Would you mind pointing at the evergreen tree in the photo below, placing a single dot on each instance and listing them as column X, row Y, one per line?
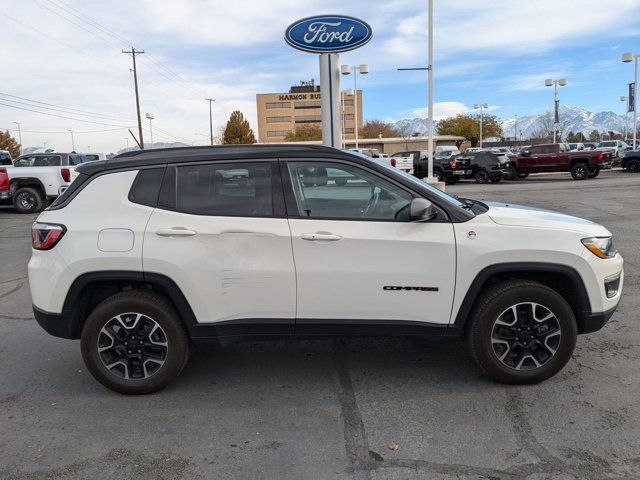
column 238, row 131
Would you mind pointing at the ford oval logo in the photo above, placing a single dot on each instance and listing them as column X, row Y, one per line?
column 328, row 34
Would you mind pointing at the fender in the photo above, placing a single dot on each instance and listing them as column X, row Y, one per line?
column 15, row 183
column 580, row 303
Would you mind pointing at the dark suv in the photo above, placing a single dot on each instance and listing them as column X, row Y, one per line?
column 483, row 166
column 442, row 166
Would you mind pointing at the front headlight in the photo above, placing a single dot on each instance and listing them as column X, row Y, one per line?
column 601, row 247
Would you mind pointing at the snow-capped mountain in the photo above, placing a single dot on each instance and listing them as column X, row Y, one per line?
column 572, row 119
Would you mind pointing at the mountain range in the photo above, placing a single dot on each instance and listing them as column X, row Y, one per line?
column 573, row 119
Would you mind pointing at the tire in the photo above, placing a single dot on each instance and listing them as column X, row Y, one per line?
column 159, row 330
column 511, row 361
column 451, row 180
column 28, row 200
column 523, row 175
column 513, row 173
column 341, row 181
column 482, row 176
column 594, row 173
column 633, row 166
column 580, row 171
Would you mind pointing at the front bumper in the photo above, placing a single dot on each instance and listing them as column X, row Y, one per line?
column 593, row 322
column 5, row 194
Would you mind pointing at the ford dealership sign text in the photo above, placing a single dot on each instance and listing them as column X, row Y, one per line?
column 328, row 34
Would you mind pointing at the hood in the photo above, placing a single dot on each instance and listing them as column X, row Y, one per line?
column 523, row 216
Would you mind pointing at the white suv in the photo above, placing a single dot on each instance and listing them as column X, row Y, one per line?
column 152, row 251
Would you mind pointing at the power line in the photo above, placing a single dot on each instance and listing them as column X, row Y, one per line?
column 60, row 116
column 66, row 132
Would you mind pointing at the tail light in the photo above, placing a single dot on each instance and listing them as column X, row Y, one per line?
column 453, row 164
column 4, row 179
column 599, row 156
column 66, row 174
column 393, row 162
column 45, row 236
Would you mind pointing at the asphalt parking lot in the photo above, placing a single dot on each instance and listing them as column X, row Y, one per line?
column 330, row 409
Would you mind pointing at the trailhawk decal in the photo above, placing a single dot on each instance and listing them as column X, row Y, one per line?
column 410, row 289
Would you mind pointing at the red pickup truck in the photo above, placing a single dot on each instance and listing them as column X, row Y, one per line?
column 5, row 193
column 556, row 157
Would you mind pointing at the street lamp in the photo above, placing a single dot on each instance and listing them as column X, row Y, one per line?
column 19, row 136
column 623, row 98
column 633, row 102
column 210, row 100
column 482, row 107
column 346, row 70
column 548, row 83
column 73, row 144
column 150, row 117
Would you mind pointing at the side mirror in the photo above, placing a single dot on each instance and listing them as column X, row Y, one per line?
column 526, row 153
column 422, row 210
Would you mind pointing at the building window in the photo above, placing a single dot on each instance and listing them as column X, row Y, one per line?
column 277, row 133
column 347, row 103
column 307, row 105
column 347, row 116
column 349, row 130
column 308, row 118
column 277, row 105
column 278, row 119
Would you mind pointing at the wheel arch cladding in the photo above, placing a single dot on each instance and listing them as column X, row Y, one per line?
column 561, row 278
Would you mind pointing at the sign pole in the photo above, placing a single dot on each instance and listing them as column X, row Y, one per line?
column 330, row 100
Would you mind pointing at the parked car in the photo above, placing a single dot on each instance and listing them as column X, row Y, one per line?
column 590, row 145
column 153, row 251
column 53, row 159
column 369, row 152
column 631, row 161
column 5, row 158
column 616, row 147
column 576, row 146
column 483, row 166
column 441, row 164
column 556, row 157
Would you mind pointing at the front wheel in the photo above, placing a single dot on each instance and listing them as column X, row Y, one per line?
column 594, row 173
column 579, row 171
column 134, row 342
column 482, row 176
column 521, row 332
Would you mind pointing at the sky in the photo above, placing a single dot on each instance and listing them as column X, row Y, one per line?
column 66, row 54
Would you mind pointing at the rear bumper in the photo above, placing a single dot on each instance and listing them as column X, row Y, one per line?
column 606, row 165
column 56, row 324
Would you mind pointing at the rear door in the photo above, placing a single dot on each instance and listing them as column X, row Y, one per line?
column 359, row 260
column 221, row 234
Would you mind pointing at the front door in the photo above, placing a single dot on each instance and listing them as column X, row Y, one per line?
column 359, row 260
column 221, row 235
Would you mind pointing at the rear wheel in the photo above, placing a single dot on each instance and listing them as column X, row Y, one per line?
column 482, row 176
column 28, row 200
column 594, row 173
column 580, row 171
column 134, row 342
column 521, row 332
column 633, row 166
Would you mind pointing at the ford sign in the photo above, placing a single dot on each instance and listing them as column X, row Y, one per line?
column 328, row 34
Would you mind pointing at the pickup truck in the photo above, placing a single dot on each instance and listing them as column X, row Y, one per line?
column 442, row 164
column 31, row 188
column 557, row 157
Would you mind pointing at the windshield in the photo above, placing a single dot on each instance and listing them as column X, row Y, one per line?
column 607, row 144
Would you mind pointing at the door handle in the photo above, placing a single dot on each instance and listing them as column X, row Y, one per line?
column 327, row 237
column 176, row 232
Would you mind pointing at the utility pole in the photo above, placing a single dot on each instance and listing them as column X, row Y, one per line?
column 19, row 136
column 133, row 54
column 210, row 100
column 73, row 144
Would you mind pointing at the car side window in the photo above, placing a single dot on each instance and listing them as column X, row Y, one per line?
column 341, row 191
column 534, row 151
column 223, row 189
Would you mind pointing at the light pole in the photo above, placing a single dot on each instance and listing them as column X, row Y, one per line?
column 515, row 129
column 210, row 100
column 73, row 144
column 19, row 136
column 150, row 117
column 548, row 83
column 342, row 111
column 482, row 107
column 633, row 102
column 346, row 70
column 623, row 99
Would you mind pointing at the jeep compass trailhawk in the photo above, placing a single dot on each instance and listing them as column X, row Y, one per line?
column 153, row 251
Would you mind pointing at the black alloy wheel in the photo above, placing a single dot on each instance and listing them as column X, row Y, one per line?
column 482, row 176
column 580, row 171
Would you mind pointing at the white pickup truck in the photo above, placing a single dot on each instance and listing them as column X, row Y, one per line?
column 36, row 179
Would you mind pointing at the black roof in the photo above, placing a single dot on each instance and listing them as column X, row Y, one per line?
column 160, row 156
